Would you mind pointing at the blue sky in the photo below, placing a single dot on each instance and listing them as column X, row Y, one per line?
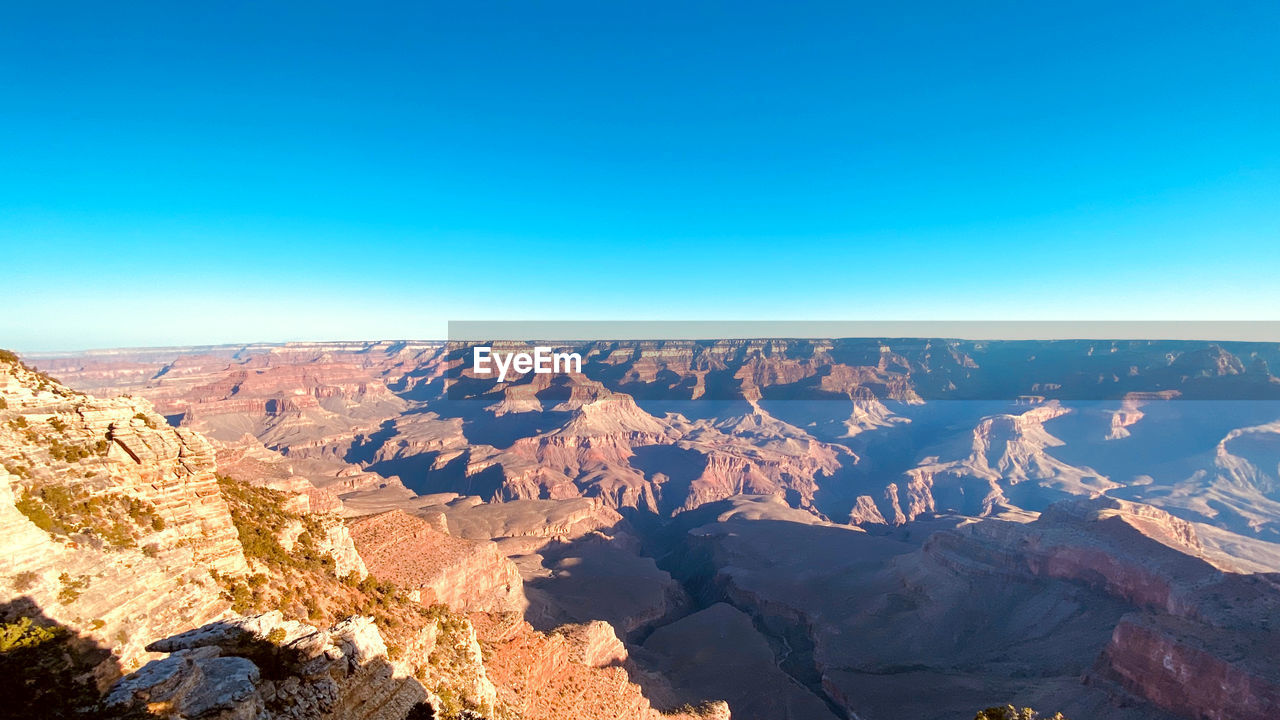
column 192, row 173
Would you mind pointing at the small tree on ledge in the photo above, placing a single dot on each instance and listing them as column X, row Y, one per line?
column 1009, row 712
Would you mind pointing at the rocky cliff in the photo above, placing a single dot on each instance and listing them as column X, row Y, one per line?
column 1198, row 640
column 466, row 575
column 110, row 520
column 1194, row 670
column 576, row 672
column 265, row 667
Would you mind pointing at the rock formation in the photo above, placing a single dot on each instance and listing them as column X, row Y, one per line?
column 466, row 575
column 265, row 667
column 561, row 675
column 110, row 520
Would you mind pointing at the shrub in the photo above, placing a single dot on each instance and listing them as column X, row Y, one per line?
column 24, row 633
column 450, row 705
column 72, row 588
column 35, row 512
column 44, row 673
column 24, row 581
column 313, row 608
column 19, row 470
column 1009, row 712
column 259, row 515
column 65, row 510
column 69, row 452
column 241, row 597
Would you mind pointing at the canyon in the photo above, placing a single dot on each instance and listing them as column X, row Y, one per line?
column 869, row 528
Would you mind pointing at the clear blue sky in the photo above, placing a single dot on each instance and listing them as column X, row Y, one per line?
column 218, row 172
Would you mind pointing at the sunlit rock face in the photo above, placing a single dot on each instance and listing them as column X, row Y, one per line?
column 266, row 667
column 110, row 519
column 466, row 575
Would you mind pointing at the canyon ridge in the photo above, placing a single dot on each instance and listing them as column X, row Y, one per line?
column 757, row 529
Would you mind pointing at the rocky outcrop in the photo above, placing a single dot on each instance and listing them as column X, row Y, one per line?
column 333, row 539
column 466, row 575
column 1195, row 671
column 1199, row 645
column 110, row 520
column 1250, row 458
column 594, row 644
column 869, row 413
column 263, row 667
column 194, row 685
column 757, row 454
column 593, row 446
column 545, row 519
column 1134, row 552
column 1006, row 456
column 558, row 675
column 865, row 512
column 1130, row 411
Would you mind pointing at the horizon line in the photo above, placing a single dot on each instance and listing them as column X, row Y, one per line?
column 1208, row 331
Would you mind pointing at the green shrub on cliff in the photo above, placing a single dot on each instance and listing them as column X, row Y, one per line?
column 71, row 587
column 36, row 512
column 1009, row 712
column 260, row 516
column 23, row 634
column 46, row 672
column 118, row 519
column 69, row 452
column 40, row 675
column 24, row 581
